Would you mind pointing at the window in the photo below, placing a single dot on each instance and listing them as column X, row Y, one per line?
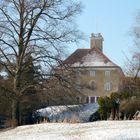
column 92, row 85
column 78, row 84
column 91, row 99
column 78, row 73
column 107, row 73
column 92, row 73
column 87, row 100
column 78, row 81
column 78, row 87
column 78, row 99
column 107, row 86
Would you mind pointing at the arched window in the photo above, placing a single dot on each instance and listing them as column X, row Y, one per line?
column 92, row 85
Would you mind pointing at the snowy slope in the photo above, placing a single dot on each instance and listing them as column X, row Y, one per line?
column 102, row 130
column 59, row 113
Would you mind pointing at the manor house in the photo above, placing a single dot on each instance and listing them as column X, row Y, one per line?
column 96, row 74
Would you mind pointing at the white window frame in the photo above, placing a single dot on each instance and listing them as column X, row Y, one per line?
column 95, row 99
column 92, row 73
column 107, row 73
column 107, row 86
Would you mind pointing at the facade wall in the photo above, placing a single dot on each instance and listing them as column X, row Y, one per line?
column 96, row 82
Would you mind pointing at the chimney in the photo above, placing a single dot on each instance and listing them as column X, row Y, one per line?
column 96, row 41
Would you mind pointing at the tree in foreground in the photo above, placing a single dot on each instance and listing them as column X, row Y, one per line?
column 41, row 29
column 132, row 66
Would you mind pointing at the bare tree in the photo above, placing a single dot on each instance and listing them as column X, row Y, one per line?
column 136, row 34
column 133, row 64
column 38, row 28
column 131, row 83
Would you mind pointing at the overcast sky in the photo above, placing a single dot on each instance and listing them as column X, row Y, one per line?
column 113, row 19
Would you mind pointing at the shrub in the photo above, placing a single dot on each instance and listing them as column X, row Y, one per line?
column 11, row 123
column 94, row 117
column 130, row 106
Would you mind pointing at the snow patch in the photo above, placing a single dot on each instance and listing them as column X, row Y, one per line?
column 59, row 113
column 93, row 59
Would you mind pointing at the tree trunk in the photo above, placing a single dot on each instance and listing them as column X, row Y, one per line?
column 16, row 105
column 117, row 112
column 112, row 114
column 16, row 113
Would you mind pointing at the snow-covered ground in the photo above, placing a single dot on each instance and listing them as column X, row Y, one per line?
column 59, row 113
column 101, row 130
